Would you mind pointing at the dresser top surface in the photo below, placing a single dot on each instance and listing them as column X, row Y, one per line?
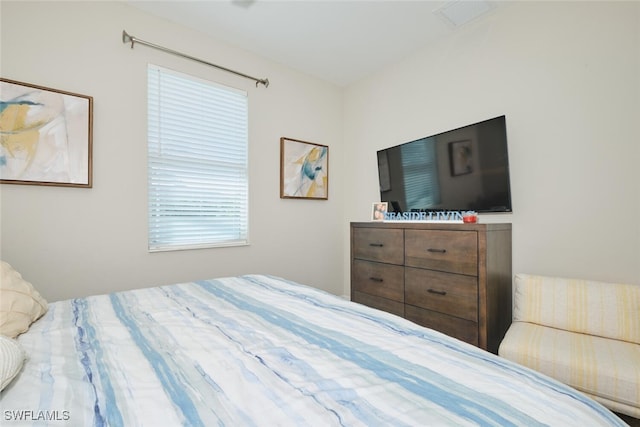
column 433, row 225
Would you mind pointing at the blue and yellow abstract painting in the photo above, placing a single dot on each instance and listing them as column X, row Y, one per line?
column 45, row 135
column 304, row 170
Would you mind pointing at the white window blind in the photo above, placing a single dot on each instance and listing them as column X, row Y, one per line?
column 197, row 162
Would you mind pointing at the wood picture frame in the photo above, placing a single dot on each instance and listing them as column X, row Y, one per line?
column 304, row 170
column 46, row 136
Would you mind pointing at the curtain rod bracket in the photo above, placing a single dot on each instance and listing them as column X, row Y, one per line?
column 126, row 38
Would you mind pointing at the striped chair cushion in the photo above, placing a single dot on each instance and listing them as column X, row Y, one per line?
column 596, row 308
column 605, row 369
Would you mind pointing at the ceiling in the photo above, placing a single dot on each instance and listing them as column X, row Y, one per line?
column 335, row 40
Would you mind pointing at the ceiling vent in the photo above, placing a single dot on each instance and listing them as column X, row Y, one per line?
column 243, row 3
column 458, row 12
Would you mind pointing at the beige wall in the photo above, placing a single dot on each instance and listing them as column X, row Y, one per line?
column 567, row 77
column 72, row 242
column 565, row 74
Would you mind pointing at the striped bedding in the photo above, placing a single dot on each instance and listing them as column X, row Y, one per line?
column 262, row 351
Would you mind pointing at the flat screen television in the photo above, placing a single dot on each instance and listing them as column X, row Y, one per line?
column 464, row 169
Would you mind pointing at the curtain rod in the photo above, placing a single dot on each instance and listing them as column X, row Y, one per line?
column 126, row 38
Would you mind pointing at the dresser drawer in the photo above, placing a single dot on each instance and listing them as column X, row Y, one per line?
column 461, row 329
column 452, row 251
column 452, row 294
column 390, row 306
column 383, row 280
column 378, row 244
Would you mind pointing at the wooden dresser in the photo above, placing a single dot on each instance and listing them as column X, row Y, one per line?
column 455, row 278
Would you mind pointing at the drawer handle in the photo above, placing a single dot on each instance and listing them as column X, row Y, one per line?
column 377, row 245
column 440, row 251
column 433, row 291
column 376, row 279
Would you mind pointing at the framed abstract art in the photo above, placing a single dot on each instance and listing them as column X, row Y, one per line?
column 304, row 170
column 45, row 136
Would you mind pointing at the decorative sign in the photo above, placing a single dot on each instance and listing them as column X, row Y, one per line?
column 455, row 217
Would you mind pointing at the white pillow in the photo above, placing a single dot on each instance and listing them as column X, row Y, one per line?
column 11, row 359
column 20, row 303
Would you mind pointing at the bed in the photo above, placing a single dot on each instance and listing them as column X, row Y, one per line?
column 259, row 350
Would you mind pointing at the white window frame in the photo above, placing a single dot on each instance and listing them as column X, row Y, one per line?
column 197, row 164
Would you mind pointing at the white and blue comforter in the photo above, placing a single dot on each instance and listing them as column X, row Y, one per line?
column 260, row 351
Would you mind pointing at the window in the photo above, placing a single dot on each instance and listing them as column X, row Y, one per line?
column 197, row 162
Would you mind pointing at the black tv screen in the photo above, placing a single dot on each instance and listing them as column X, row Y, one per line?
column 459, row 170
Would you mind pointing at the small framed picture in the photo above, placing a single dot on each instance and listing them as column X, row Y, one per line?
column 379, row 210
